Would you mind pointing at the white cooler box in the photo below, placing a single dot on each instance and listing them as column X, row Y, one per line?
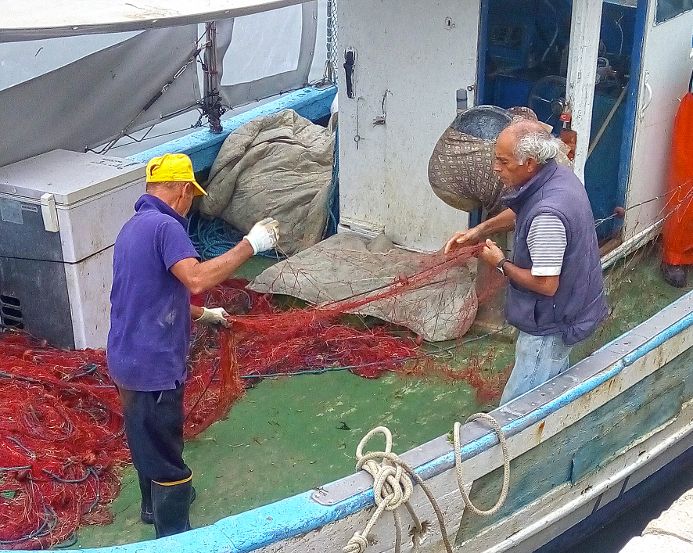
column 60, row 213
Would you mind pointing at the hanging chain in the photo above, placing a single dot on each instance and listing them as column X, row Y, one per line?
column 331, row 65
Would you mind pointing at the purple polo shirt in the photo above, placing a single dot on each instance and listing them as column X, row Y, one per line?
column 150, row 308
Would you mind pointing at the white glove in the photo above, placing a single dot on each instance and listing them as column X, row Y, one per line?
column 214, row 316
column 264, row 235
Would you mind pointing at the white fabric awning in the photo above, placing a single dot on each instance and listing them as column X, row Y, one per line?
column 22, row 20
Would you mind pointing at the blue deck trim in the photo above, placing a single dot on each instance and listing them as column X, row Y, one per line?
column 203, row 146
column 299, row 514
column 521, row 423
column 482, row 51
column 284, row 519
column 633, row 95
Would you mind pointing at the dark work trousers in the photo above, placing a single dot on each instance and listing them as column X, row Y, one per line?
column 154, row 430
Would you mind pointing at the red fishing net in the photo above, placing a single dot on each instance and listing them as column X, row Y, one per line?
column 267, row 340
column 61, row 439
column 61, row 433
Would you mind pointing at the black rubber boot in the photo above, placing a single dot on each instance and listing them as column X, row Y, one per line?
column 676, row 275
column 146, row 510
column 171, row 508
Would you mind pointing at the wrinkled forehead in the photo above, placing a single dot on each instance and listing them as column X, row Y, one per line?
column 505, row 145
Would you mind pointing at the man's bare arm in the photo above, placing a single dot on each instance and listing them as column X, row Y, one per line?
column 503, row 222
column 544, row 285
column 199, row 277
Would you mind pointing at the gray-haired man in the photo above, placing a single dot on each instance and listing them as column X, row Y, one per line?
column 555, row 289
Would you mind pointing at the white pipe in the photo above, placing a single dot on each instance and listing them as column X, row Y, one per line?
column 632, row 244
column 606, row 122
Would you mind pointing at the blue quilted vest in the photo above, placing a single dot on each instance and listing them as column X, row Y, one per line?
column 579, row 304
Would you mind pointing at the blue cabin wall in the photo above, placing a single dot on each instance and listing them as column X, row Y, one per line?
column 603, row 166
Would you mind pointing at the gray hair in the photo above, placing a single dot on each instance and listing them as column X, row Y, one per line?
column 533, row 142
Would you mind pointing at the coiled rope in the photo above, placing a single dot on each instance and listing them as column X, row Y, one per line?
column 393, row 486
column 493, row 423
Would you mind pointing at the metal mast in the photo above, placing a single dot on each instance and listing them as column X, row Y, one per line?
column 211, row 102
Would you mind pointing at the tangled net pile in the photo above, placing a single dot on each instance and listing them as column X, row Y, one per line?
column 271, row 341
column 61, row 428
column 62, row 440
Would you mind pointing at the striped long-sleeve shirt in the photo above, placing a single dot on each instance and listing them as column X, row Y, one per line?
column 546, row 242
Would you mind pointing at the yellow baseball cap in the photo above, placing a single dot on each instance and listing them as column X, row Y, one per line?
column 173, row 168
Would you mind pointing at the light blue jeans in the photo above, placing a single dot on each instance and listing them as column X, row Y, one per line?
column 537, row 359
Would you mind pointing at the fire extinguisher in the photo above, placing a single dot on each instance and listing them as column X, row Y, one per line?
column 568, row 136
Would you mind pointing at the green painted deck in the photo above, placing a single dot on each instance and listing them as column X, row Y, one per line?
column 291, row 434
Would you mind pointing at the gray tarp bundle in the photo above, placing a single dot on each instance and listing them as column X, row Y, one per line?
column 348, row 264
column 279, row 166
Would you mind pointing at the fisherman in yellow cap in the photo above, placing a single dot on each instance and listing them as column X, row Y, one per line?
column 155, row 270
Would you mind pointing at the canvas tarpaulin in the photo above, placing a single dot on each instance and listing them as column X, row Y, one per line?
column 23, row 20
column 244, row 90
column 90, row 101
column 275, row 166
column 78, row 92
column 348, row 265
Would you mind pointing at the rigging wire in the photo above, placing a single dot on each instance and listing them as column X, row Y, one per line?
column 193, row 58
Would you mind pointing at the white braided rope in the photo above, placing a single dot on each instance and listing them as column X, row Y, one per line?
column 506, row 464
column 392, row 486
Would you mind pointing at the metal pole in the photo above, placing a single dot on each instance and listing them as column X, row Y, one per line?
column 212, row 100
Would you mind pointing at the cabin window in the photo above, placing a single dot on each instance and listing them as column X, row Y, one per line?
column 524, row 62
column 666, row 9
column 524, row 57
